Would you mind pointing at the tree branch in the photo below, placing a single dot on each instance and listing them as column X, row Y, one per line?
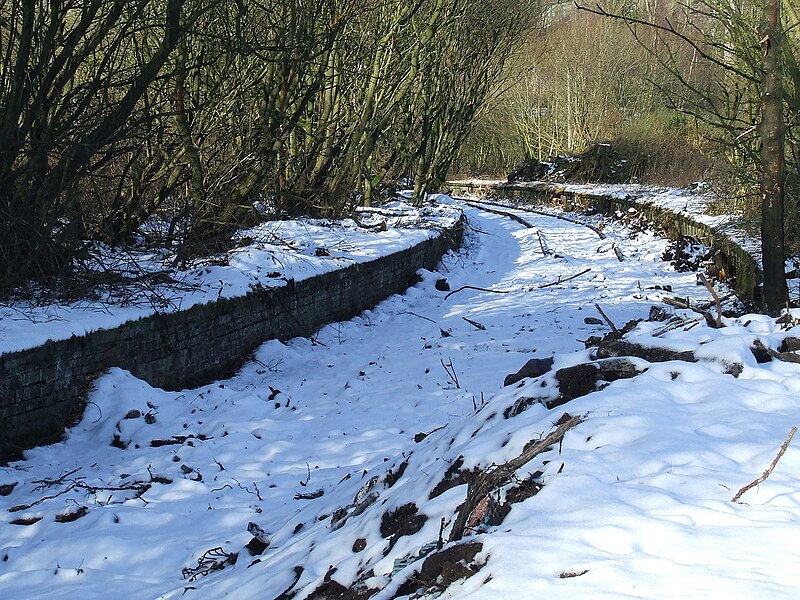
column 769, row 470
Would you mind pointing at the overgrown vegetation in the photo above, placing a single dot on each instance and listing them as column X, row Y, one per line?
column 682, row 91
column 590, row 81
column 674, row 86
column 198, row 116
column 747, row 97
column 194, row 112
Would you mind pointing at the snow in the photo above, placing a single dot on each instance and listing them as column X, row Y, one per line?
column 280, row 251
column 695, row 203
column 636, row 501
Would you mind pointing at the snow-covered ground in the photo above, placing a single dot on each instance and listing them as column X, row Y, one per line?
column 695, row 203
column 636, row 499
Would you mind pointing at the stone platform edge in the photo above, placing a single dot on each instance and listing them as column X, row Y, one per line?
column 737, row 261
column 44, row 389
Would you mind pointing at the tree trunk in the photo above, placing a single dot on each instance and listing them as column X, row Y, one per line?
column 772, row 150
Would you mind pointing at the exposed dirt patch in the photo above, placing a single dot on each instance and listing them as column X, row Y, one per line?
column 74, row 515
column 623, row 348
column 688, row 254
column 393, row 477
column 333, row 590
column 453, row 477
column 527, row 488
column 404, row 520
column 602, row 163
column 533, row 368
column 25, row 521
column 577, row 381
column 443, row 568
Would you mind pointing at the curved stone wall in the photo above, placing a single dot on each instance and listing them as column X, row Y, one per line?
column 44, row 389
column 736, row 260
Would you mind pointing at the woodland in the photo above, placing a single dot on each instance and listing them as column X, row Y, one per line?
column 176, row 122
column 420, row 449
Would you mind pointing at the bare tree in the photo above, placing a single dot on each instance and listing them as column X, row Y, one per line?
column 113, row 113
column 772, row 158
column 67, row 94
column 747, row 86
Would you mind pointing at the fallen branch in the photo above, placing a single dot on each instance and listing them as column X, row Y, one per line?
column 491, row 479
column 710, row 303
column 675, row 323
column 551, row 284
column 607, row 320
column 138, row 487
column 475, row 324
column 480, row 289
column 702, row 279
column 769, row 470
column 680, row 303
column 309, row 496
column 784, row 356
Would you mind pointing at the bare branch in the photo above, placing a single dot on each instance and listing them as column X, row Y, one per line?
column 769, row 470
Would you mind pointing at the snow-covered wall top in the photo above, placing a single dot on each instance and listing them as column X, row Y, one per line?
column 269, row 255
column 675, row 212
column 42, row 389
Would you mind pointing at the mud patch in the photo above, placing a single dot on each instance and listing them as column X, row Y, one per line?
column 443, row 568
column 401, row 521
column 453, row 477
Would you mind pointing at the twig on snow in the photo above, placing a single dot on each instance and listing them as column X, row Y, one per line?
column 43, row 483
column 408, row 312
column 308, row 477
column 552, row 283
column 212, row 560
column 605, row 316
column 480, row 289
column 475, row 324
column 542, row 245
column 451, row 372
column 769, row 470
